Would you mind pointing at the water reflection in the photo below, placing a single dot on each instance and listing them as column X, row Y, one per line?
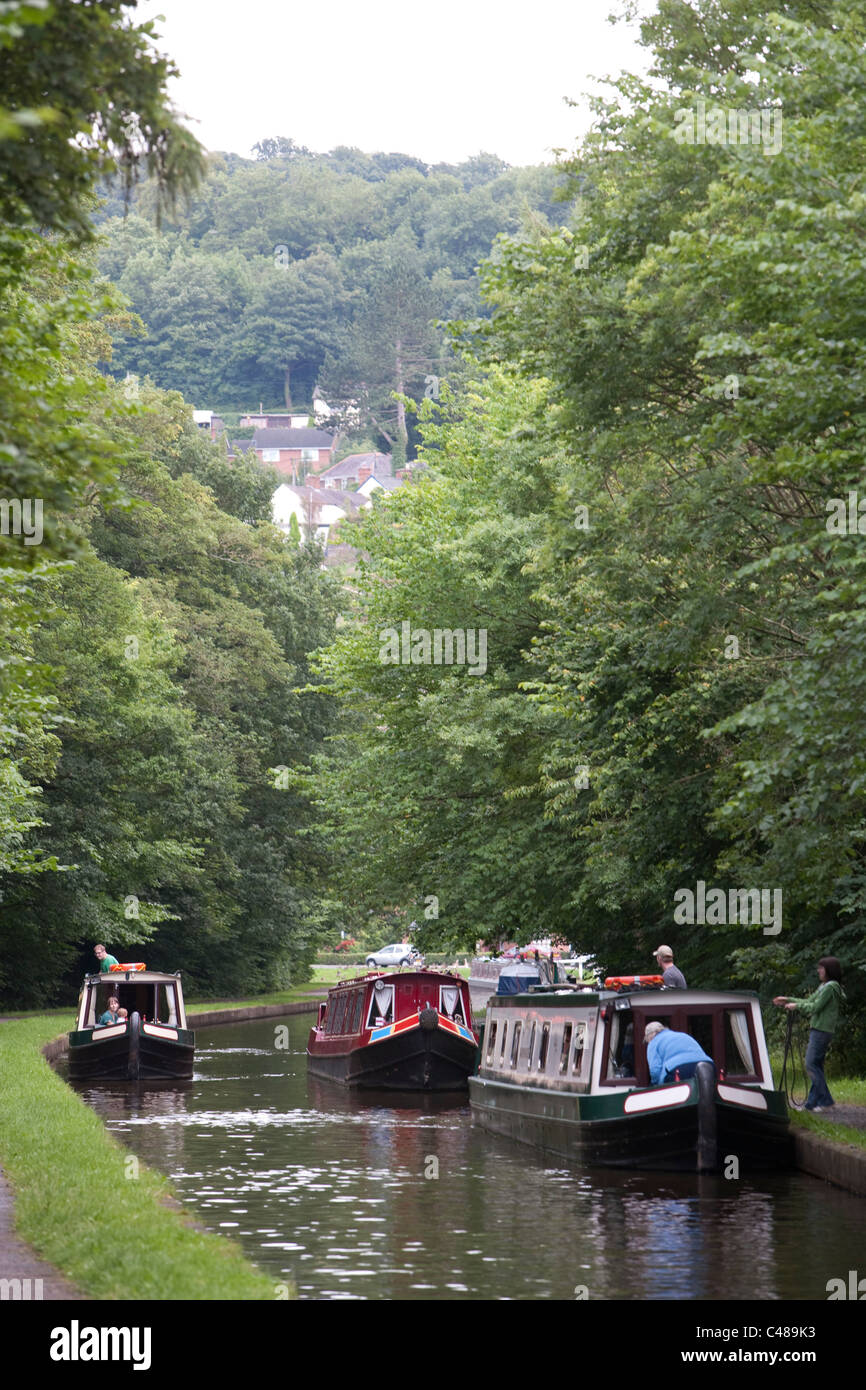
column 403, row 1197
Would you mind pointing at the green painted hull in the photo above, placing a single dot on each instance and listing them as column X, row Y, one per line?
column 597, row 1130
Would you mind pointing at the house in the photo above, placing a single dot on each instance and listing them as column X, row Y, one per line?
column 356, row 468
column 294, row 452
column 373, row 484
column 316, row 509
column 208, row 423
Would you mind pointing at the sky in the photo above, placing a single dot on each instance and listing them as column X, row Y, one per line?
column 438, row 79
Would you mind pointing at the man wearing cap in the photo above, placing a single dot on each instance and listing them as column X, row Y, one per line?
column 671, row 977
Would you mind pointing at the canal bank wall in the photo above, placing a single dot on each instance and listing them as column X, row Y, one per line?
column 839, row 1164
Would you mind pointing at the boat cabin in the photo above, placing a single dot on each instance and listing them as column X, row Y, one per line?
column 594, row 1041
column 377, row 1000
column 156, row 997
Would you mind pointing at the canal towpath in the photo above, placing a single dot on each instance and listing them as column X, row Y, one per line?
column 22, row 1273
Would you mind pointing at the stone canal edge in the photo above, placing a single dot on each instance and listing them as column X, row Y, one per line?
column 839, row 1164
column 18, row 1262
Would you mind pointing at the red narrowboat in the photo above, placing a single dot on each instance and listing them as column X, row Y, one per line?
column 402, row 1031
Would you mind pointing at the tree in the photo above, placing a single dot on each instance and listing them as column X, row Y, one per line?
column 85, row 90
column 290, row 321
column 390, row 346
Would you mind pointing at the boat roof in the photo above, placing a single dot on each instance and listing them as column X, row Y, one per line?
column 388, row 975
column 124, row 977
column 646, row 998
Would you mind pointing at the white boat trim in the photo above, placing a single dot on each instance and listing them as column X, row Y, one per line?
column 657, row 1099
column 110, row 1030
column 159, row 1032
column 751, row 1099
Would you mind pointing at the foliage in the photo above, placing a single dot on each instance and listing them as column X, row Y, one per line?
column 684, row 628
column 282, row 262
column 84, row 94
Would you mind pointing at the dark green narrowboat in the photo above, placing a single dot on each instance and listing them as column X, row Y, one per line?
column 566, row 1071
column 152, row 1043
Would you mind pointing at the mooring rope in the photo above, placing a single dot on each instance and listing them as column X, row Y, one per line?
column 794, row 1051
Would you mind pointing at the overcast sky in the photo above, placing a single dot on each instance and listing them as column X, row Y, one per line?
column 439, row 80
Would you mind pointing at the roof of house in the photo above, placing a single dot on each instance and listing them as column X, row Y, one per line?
column 286, row 439
column 388, row 484
column 381, row 464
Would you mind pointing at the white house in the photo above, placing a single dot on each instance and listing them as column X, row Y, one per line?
column 316, row 509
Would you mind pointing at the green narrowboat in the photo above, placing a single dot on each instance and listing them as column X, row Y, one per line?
column 152, row 1043
column 566, row 1071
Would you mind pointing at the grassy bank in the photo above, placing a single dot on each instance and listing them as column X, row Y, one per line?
column 828, row 1128
column 116, row 1237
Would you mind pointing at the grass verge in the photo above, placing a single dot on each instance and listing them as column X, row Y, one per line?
column 828, row 1129
column 114, row 1236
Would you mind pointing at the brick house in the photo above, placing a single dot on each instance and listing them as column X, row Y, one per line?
column 355, row 469
column 293, row 452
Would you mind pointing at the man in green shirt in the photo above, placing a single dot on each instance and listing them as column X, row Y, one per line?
column 105, row 960
column 822, row 1010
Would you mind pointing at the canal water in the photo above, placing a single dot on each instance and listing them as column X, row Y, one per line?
column 354, row 1197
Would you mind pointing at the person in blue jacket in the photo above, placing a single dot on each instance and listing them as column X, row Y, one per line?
column 669, row 1054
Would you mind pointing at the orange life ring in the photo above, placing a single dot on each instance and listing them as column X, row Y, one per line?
column 619, row 981
column 130, row 965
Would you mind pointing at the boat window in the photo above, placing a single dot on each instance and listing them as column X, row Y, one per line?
column 531, row 1048
column 491, row 1041
column 359, row 1006
column 738, row 1048
column 579, row 1040
column 620, row 1056
column 381, row 1005
column 449, row 1001
column 542, row 1051
column 700, row 1027
column 340, row 1015
column 515, row 1044
column 166, row 1005
column 504, row 1039
column 566, row 1047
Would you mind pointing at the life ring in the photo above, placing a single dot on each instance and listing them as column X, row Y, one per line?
column 130, row 965
column 618, row 982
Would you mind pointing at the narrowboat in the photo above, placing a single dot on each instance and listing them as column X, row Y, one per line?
column 152, row 1044
column 566, row 1070
column 403, row 1031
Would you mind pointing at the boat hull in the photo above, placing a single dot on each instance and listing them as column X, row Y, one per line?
column 691, row 1133
column 413, row 1059
column 134, row 1052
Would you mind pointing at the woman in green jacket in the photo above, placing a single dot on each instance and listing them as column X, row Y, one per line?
column 822, row 1009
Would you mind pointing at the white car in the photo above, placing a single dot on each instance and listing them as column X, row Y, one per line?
column 399, row 954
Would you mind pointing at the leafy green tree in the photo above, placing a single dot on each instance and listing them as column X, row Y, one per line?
column 290, row 320
column 444, row 763
column 84, row 93
column 391, row 346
